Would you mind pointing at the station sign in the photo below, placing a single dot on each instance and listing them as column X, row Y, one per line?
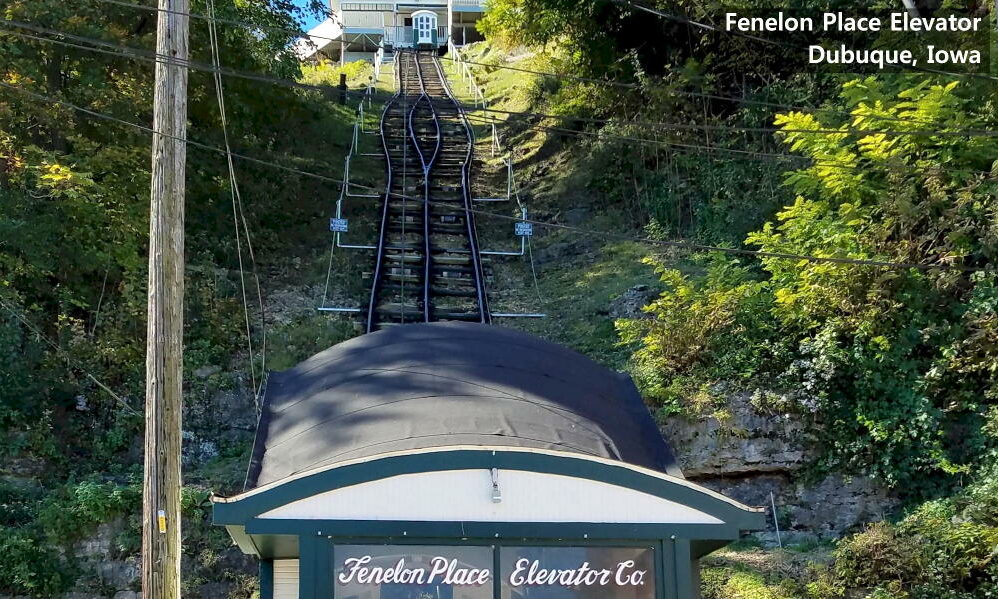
column 339, row 225
column 524, row 229
column 534, row 572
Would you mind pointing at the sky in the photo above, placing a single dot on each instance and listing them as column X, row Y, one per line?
column 312, row 20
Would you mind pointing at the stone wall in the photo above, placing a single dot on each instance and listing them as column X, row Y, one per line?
column 752, row 454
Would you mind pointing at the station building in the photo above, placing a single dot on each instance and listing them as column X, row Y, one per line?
column 466, row 461
column 358, row 30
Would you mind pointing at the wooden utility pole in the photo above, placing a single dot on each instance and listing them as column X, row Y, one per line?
column 164, row 342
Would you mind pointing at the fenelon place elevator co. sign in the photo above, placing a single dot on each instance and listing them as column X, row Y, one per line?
column 469, row 571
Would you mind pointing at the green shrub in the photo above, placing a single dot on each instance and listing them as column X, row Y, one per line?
column 732, row 583
column 943, row 549
column 30, row 567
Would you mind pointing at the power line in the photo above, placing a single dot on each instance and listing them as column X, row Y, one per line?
column 744, row 129
column 149, row 56
column 733, row 99
column 65, row 357
column 238, row 215
column 206, row 18
column 650, row 10
column 628, row 3
column 689, row 245
column 704, row 26
column 212, row 69
column 747, row 154
column 692, row 23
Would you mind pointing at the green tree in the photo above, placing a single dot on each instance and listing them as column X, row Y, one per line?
column 894, row 366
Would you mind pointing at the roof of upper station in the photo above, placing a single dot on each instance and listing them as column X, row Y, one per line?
column 418, row 387
column 317, row 39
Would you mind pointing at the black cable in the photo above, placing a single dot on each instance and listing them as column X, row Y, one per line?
column 200, row 17
column 736, row 100
column 150, row 56
column 210, row 69
column 684, row 20
column 65, row 356
column 748, row 154
column 579, row 230
column 704, row 26
column 740, row 129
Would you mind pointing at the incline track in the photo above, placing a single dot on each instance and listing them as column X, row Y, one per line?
column 428, row 266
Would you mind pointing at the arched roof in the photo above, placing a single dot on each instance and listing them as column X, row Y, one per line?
column 416, row 387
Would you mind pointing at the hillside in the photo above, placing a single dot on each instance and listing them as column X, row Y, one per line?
column 807, row 302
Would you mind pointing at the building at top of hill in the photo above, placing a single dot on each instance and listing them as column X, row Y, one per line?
column 357, row 30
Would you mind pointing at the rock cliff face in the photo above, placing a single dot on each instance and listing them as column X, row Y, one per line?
column 755, row 454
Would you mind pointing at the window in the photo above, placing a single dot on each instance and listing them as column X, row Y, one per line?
column 367, row 6
column 577, row 572
column 412, row 572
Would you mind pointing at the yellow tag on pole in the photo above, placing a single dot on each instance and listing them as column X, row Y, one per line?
column 162, row 521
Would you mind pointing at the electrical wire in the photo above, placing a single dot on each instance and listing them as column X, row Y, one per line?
column 744, row 129
column 702, row 95
column 239, row 215
column 628, row 3
column 689, row 245
column 704, row 26
column 66, row 358
column 561, row 130
column 692, row 23
column 746, row 154
column 565, row 131
column 248, row 26
column 142, row 54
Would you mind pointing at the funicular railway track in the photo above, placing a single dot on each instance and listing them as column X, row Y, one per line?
column 428, row 265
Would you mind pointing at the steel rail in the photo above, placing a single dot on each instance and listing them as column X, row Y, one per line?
column 427, row 167
column 412, row 116
column 372, row 306
column 485, row 314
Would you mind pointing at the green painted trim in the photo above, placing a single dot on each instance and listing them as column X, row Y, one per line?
column 324, row 565
column 673, row 564
column 659, row 569
column 309, row 572
column 512, row 542
column 581, row 531
column 669, row 568
column 245, row 509
column 266, row 579
column 496, row 569
column 683, row 564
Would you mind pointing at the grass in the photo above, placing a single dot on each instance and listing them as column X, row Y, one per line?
column 576, row 294
column 747, row 571
column 579, row 275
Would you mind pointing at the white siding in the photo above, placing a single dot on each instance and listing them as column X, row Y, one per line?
column 285, row 579
column 363, row 19
column 467, row 495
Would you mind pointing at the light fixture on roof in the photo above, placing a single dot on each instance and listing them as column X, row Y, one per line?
column 496, row 494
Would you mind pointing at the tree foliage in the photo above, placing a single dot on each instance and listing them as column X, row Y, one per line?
column 894, row 366
column 74, row 194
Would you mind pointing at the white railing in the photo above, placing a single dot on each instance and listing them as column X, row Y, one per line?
column 379, row 57
column 467, row 75
column 398, row 36
column 402, row 37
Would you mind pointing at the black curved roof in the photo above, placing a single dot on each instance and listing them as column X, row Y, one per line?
column 444, row 384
